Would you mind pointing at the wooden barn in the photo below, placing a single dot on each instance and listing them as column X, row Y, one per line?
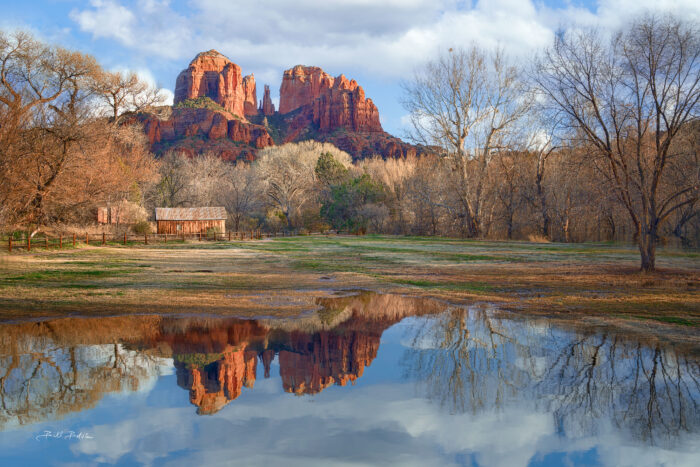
column 190, row 220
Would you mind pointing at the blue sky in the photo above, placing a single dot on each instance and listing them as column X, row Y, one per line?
column 376, row 42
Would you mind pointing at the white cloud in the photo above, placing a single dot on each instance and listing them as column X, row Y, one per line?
column 354, row 427
column 386, row 37
column 381, row 38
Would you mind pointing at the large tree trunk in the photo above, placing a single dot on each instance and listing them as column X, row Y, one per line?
column 542, row 195
column 509, row 222
column 647, row 247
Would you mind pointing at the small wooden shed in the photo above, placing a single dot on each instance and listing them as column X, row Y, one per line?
column 190, row 220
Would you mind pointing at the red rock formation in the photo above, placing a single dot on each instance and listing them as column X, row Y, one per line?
column 220, row 133
column 213, row 75
column 313, row 105
column 325, row 358
column 267, row 108
column 219, row 383
column 302, row 85
column 251, row 98
column 267, row 357
column 335, row 102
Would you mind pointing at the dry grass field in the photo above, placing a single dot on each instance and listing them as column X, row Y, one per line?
column 285, row 276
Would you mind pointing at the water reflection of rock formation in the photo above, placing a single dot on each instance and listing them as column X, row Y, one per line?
column 331, row 347
column 467, row 360
column 471, row 361
column 53, row 368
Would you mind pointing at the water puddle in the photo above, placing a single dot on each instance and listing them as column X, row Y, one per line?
column 368, row 379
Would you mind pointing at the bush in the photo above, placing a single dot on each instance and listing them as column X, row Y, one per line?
column 213, row 231
column 142, row 228
column 537, row 238
column 203, row 102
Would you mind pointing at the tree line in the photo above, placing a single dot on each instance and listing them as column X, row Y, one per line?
column 594, row 139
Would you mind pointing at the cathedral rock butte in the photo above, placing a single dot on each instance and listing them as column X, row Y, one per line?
column 215, row 111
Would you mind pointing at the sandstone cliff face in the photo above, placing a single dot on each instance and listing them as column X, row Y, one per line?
column 217, row 384
column 333, row 102
column 213, row 75
column 326, row 358
column 250, row 99
column 267, row 108
column 302, row 85
column 194, row 131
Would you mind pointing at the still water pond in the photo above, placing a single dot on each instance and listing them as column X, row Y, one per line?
column 367, row 380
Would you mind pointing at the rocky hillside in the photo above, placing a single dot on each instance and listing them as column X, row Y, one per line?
column 215, row 110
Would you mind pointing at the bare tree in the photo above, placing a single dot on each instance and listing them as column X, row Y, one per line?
column 34, row 75
column 172, row 189
column 242, row 197
column 56, row 158
column 467, row 102
column 394, row 175
column 288, row 174
column 628, row 100
column 122, row 92
column 209, row 179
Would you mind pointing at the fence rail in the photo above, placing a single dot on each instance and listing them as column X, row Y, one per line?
column 28, row 243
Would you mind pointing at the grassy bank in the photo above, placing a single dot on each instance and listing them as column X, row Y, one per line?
column 283, row 276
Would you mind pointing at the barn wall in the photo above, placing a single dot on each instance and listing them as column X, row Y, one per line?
column 190, row 227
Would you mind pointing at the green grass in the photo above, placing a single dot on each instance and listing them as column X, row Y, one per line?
column 669, row 319
column 198, row 360
column 457, row 286
column 63, row 274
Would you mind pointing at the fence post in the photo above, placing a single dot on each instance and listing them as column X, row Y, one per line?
column 103, row 238
column 200, row 236
column 74, row 240
column 29, row 243
column 145, row 239
column 124, row 238
column 9, row 247
column 165, row 237
column 229, row 235
column 87, row 239
column 60, row 242
column 46, row 242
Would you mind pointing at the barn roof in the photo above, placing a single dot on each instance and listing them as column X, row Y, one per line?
column 190, row 214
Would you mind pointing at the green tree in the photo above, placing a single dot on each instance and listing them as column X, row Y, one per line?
column 330, row 171
column 344, row 209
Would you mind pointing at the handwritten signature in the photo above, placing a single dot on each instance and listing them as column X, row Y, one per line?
column 69, row 434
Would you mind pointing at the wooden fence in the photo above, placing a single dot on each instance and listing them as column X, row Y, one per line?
column 28, row 243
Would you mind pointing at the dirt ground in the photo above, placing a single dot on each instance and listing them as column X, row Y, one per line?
column 284, row 277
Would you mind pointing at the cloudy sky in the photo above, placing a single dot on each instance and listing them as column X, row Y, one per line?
column 377, row 42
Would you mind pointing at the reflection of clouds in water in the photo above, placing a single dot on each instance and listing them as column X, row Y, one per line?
column 584, row 378
column 481, row 387
column 48, row 382
column 367, row 425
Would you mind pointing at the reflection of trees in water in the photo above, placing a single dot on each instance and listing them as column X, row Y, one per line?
column 648, row 391
column 451, row 357
column 472, row 361
column 42, row 380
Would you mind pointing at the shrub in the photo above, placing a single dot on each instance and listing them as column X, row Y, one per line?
column 142, row 228
column 213, row 231
column 537, row 238
column 203, row 102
